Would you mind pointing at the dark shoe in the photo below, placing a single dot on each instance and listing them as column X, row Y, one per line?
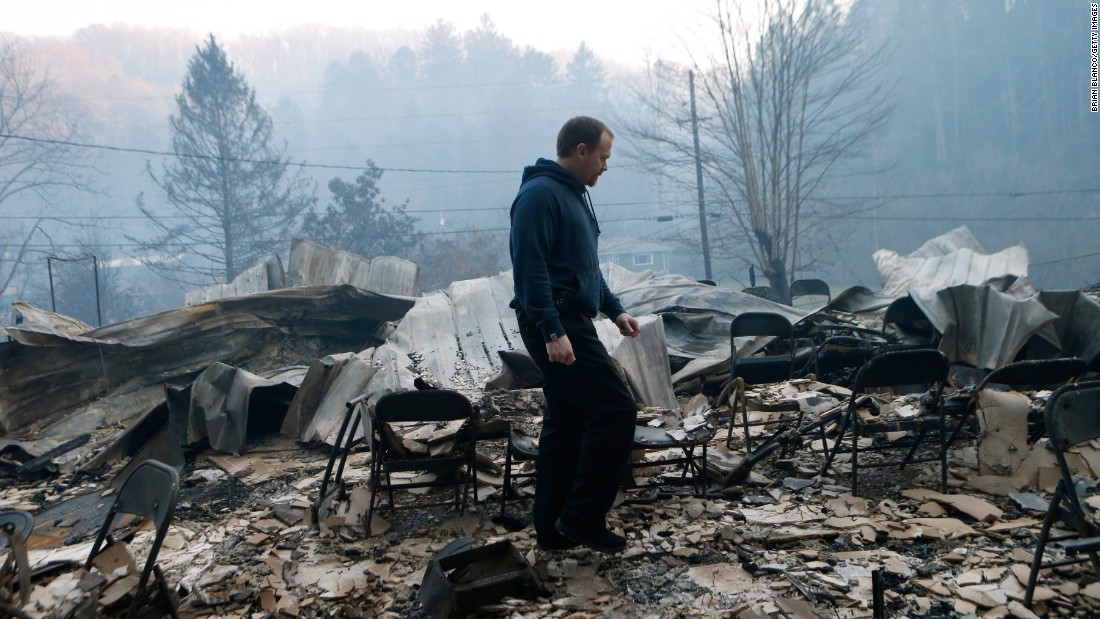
column 600, row 540
column 555, row 541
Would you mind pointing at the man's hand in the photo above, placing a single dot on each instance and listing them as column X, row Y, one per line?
column 560, row 351
column 628, row 325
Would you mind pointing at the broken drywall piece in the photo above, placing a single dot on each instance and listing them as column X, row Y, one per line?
column 996, row 485
column 934, row 528
column 978, row 509
column 1002, row 443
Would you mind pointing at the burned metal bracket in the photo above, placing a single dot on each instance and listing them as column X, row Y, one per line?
column 781, row 438
column 459, row 580
column 38, row 467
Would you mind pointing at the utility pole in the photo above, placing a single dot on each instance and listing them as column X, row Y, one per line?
column 699, row 179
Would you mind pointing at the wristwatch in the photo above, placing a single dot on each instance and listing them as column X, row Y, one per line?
column 553, row 336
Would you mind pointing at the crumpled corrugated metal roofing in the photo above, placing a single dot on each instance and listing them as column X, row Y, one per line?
column 951, row 259
column 981, row 325
column 262, row 277
column 456, row 336
column 312, row 264
column 316, row 265
column 49, row 373
column 1077, row 327
column 696, row 316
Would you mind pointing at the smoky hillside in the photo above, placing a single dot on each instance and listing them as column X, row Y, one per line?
column 986, row 124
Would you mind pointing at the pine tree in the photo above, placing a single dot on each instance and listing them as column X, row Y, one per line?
column 585, row 75
column 230, row 192
column 356, row 219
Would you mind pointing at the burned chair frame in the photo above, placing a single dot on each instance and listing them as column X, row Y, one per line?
column 520, row 448
column 389, row 456
column 924, row 368
column 15, row 526
column 692, row 459
column 693, row 464
column 150, row 492
column 1072, row 417
column 1022, row 375
column 752, row 370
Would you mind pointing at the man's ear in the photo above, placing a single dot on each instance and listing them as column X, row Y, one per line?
column 582, row 148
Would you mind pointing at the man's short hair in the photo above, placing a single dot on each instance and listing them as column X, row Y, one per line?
column 578, row 130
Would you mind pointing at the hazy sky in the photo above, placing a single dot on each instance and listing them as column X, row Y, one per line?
column 618, row 30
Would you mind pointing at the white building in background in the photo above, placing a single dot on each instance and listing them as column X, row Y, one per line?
column 635, row 254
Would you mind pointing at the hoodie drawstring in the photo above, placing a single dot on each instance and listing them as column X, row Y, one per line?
column 592, row 211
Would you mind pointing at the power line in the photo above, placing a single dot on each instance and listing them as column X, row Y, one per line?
column 144, row 151
column 273, row 241
column 64, row 218
column 1046, row 262
column 973, row 194
column 303, row 164
column 993, row 219
column 683, row 220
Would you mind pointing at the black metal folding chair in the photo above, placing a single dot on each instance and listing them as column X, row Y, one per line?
column 1022, row 376
column 1072, row 417
column 690, row 453
column 757, row 369
column 691, row 456
column 149, row 492
column 521, row 450
column 388, row 456
column 910, row 371
column 810, row 287
column 15, row 527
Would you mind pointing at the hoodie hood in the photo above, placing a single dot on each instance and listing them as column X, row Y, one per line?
column 551, row 168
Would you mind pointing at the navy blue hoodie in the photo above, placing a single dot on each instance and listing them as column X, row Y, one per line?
column 553, row 248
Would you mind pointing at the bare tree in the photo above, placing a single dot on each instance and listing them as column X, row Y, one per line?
column 38, row 155
column 789, row 103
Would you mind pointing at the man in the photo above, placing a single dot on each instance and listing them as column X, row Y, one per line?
column 590, row 413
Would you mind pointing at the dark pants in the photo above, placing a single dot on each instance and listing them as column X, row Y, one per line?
column 587, row 429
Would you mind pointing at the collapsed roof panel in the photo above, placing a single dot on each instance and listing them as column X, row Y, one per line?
column 859, row 299
column 950, row 259
column 980, row 325
column 50, row 372
column 319, row 407
column 644, row 360
column 1077, row 326
column 696, row 316
column 457, row 335
column 647, row 293
column 229, row 404
column 316, row 265
column 262, row 277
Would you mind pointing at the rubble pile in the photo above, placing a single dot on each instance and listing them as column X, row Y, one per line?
column 784, row 542
column 776, row 534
